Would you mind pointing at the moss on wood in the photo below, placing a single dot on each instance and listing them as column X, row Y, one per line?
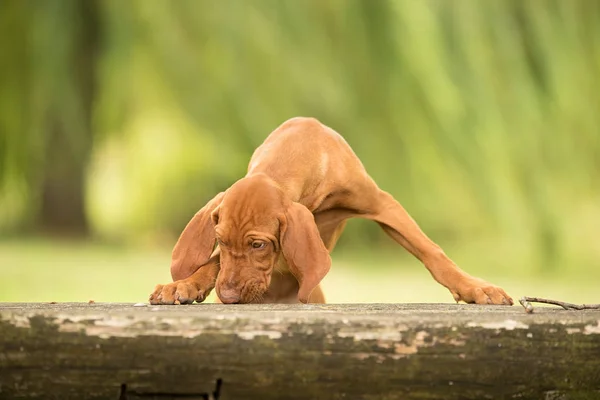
column 113, row 351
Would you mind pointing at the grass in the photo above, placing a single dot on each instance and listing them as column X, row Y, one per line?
column 43, row 271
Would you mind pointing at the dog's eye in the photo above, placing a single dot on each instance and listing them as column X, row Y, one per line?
column 258, row 245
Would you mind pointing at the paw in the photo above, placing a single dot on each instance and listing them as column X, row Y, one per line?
column 178, row 292
column 478, row 291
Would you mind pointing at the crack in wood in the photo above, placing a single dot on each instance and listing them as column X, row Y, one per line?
column 126, row 394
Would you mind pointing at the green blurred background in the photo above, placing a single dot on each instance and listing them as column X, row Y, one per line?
column 118, row 120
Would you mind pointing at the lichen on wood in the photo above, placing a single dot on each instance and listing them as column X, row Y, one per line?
column 370, row 351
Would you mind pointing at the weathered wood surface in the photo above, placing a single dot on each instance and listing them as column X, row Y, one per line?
column 417, row 351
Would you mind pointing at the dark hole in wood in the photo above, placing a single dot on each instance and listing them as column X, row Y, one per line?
column 123, row 392
column 216, row 394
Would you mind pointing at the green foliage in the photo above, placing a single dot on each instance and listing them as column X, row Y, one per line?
column 48, row 82
column 481, row 117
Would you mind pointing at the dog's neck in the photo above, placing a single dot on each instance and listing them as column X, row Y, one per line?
column 283, row 289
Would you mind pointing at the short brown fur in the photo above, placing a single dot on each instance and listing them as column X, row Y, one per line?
column 267, row 238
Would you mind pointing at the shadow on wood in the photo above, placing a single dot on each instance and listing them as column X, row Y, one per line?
column 371, row 351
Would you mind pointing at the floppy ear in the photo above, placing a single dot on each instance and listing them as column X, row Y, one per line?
column 306, row 255
column 196, row 243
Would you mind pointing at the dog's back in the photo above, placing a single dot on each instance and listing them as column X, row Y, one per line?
column 304, row 148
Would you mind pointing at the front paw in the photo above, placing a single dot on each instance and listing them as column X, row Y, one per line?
column 178, row 292
column 478, row 291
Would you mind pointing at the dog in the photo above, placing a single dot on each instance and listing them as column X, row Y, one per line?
column 268, row 238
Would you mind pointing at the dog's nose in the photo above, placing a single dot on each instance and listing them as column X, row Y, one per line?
column 229, row 296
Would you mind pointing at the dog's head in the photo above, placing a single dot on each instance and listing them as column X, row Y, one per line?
column 254, row 223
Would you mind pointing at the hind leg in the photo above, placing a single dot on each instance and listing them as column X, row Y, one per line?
column 398, row 224
column 366, row 200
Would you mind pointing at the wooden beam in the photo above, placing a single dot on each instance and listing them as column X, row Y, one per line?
column 369, row 351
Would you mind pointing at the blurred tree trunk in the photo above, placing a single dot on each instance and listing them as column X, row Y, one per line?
column 68, row 144
column 62, row 208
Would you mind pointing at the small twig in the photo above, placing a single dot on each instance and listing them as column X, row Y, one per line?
column 526, row 303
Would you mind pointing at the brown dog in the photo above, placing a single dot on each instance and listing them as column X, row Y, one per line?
column 286, row 215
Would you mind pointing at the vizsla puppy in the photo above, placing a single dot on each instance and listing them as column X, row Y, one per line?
column 267, row 238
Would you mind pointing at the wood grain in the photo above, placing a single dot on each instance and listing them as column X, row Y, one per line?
column 369, row 351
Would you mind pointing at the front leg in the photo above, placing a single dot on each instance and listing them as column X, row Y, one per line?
column 397, row 223
column 194, row 288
